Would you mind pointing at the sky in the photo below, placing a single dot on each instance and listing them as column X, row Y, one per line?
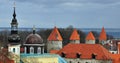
column 62, row 13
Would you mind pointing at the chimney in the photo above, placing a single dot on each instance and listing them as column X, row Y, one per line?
column 118, row 48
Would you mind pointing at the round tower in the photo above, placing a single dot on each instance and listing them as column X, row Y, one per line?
column 54, row 40
column 74, row 38
column 90, row 39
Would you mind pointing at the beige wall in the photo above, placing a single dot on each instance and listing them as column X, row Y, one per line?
column 54, row 45
column 87, row 60
column 75, row 41
column 40, row 60
column 90, row 41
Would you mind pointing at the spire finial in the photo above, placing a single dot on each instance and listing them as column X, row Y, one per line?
column 14, row 5
column 34, row 29
column 14, row 14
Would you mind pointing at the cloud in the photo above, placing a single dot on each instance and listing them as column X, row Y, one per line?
column 75, row 12
column 62, row 1
column 71, row 4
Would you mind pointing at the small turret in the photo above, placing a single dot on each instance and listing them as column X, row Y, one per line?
column 103, row 36
column 90, row 39
column 54, row 40
column 74, row 38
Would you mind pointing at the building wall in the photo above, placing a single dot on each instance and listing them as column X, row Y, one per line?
column 40, row 60
column 75, row 41
column 54, row 45
column 90, row 41
column 87, row 61
column 14, row 49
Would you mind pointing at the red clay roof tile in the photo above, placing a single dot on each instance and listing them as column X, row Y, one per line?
column 53, row 51
column 86, row 51
column 55, row 35
column 74, row 35
column 103, row 34
column 115, row 58
column 90, row 36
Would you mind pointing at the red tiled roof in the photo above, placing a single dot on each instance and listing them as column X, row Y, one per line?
column 55, row 35
column 115, row 58
column 3, row 56
column 53, row 51
column 86, row 50
column 103, row 34
column 74, row 35
column 90, row 36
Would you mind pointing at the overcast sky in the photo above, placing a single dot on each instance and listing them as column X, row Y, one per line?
column 62, row 13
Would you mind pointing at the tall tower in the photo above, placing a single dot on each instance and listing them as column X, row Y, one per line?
column 14, row 38
column 54, row 40
column 102, row 37
column 90, row 39
column 74, row 38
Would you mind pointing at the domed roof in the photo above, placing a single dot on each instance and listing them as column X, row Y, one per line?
column 14, row 38
column 34, row 39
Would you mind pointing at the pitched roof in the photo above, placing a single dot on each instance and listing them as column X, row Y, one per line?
column 86, row 51
column 74, row 35
column 55, row 35
column 90, row 36
column 103, row 35
column 3, row 56
column 115, row 58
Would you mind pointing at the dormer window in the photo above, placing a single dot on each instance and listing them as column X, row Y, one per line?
column 63, row 54
column 78, row 55
column 94, row 56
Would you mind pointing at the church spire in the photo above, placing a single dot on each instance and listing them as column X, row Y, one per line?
column 14, row 37
column 14, row 14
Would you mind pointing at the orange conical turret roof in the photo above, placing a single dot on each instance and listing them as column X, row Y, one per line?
column 55, row 35
column 103, row 34
column 74, row 35
column 90, row 36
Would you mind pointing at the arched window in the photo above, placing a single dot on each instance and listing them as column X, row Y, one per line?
column 43, row 50
column 31, row 50
column 14, row 50
column 39, row 50
column 25, row 50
